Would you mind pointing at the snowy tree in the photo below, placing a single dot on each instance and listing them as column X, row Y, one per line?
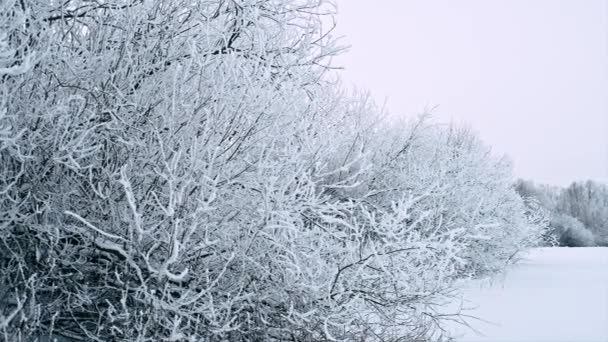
column 588, row 202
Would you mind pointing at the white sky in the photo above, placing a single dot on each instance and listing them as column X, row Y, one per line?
column 530, row 76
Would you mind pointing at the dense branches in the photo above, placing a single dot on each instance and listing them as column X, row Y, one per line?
column 180, row 170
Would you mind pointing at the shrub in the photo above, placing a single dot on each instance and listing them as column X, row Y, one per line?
column 571, row 232
column 182, row 171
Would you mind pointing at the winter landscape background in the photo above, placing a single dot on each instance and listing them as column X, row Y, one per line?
column 177, row 170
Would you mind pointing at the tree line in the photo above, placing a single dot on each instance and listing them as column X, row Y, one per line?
column 578, row 213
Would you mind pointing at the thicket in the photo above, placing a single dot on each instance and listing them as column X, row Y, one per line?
column 184, row 171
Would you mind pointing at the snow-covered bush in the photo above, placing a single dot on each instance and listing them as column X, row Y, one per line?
column 571, row 232
column 462, row 188
column 601, row 240
column 181, row 171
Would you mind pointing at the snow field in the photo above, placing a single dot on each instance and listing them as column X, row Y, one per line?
column 553, row 294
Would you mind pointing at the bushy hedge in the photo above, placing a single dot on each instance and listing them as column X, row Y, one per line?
column 182, row 171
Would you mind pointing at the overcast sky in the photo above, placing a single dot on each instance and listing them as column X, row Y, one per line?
column 530, row 76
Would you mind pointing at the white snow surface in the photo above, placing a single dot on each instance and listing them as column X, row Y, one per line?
column 554, row 294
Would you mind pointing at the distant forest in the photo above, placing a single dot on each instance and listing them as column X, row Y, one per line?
column 577, row 214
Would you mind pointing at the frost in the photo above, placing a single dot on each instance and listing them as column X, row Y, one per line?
column 184, row 171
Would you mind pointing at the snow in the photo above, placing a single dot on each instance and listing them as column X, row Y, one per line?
column 554, row 294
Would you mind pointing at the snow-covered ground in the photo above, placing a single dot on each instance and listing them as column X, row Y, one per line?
column 554, row 294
